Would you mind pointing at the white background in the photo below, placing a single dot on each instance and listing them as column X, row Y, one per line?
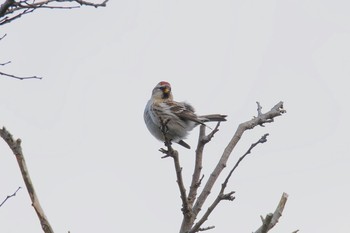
column 95, row 166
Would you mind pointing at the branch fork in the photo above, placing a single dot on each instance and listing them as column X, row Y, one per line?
column 191, row 203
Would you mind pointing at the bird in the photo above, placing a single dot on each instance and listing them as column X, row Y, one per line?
column 172, row 120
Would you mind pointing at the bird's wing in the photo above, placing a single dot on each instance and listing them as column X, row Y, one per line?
column 184, row 111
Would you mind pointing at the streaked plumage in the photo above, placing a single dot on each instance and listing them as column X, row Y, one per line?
column 180, row 117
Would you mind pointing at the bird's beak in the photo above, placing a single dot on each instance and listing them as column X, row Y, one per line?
column 166, row 90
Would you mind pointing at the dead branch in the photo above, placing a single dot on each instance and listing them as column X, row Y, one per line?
column 5, row 63
column 228, row 196
column 203, row 139
column 9, row 196
column 261, row 119
column 20, row 78
column 170, row 152
column 5, row 6
column 15, row 146
column 196, row 180
column 14, row 9
column 272, row 218
column 261, row 140
column 191, row 204
column 206, row 228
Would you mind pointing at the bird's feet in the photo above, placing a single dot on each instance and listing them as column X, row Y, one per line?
column 169, row 151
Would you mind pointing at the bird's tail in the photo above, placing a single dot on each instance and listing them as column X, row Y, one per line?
column 213, row 117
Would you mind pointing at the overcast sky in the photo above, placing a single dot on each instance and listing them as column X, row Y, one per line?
column 95, row 166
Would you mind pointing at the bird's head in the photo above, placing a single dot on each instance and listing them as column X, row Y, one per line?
column 162, row 91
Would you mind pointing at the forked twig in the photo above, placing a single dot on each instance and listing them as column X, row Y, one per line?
column 271, row 219
column 228, row 196
column 9, row 196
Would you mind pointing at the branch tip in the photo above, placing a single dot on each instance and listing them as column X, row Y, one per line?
column 9, row 196
column 271, row 219
column 206, row 228
column 259, row 108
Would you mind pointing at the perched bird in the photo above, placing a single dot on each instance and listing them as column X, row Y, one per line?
column 178, row 118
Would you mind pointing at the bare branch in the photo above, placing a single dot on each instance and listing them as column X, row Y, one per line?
column 8, row 19
column 206, row 228
column 5, row 6
column 5, row 63
column 9, row 196
column 103, row 4
column 15, row 146
column 277, row 110
column 20, row 78
column 3, row 36
column 271, row 219
column 229, row 196
column 259, row 108
column 202, row 141
column 14, row 9
column 261, row 140
column 207, row 138
column 170, row 152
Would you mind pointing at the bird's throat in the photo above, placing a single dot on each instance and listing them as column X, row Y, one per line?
column 166, row 95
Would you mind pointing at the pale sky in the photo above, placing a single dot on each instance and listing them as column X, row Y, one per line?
column 95, row 166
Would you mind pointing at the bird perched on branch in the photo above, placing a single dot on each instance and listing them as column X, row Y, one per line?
column 164, row 116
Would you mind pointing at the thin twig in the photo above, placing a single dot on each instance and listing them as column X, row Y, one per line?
column 206, row 228
column 3, row 64
column 259, row 108
column 3, row 36
column 20, row 78
column 261, row 140
column 9, row 196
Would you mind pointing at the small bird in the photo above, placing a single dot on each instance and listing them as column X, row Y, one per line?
column 178, row 118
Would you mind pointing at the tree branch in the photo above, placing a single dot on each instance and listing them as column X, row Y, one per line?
column 268, row 117
column 203, row 139
column 2, row 37
column 5, row 63
column 9, row 196
column 191, row 204
column 271, row 219
column 20, row 78
column 261, row 140
column 170, row 152
column 196, row 180
column 228, row 196
column 15, row 146
column 10, row 7
column 206, row 228
column 5, row 6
